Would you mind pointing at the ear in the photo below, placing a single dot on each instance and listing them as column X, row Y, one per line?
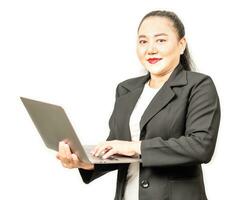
column 183, row 44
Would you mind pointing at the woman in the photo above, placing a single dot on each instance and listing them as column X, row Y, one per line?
column 169, row 117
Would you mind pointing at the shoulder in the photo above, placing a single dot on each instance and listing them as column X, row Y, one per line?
column 130, row 84
column 201, row 84
column 195, row 77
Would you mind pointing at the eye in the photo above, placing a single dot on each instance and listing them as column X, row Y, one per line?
column 142, row 41
column 161, row 40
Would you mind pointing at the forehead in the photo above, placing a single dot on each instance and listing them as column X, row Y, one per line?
column 155, row 25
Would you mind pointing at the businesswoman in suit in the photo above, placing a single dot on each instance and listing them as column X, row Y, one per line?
column 169, row 117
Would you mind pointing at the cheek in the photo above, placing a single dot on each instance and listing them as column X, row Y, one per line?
column 168, row 50
column 140, row 53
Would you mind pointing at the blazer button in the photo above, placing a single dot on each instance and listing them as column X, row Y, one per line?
column 144, row 184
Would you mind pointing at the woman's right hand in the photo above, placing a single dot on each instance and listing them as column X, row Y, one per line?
column 70, row 160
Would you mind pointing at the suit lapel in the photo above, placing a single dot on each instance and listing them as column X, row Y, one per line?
column 164, row 95
column 160, row 100
column 127, row 103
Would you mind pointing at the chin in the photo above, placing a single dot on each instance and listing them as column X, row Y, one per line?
column 154, row 69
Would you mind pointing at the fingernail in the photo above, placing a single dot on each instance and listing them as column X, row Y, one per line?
column 92, row 151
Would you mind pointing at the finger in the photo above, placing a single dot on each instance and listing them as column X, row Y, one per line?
column 109, row 153
column 93, row 150
column 66, row 165
column 75, row 158
column 58, row 156
column 61, row 149
column 96, row 148
column 102, row 149
column 67, row 152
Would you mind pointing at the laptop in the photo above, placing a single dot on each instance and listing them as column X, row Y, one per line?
column 54, row 126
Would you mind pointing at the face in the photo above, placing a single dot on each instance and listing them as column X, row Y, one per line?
column 158, row 45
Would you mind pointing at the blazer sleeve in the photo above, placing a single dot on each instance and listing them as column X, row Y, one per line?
column 197, row 144
column 101, row 169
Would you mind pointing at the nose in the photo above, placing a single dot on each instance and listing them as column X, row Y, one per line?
column 152, row 49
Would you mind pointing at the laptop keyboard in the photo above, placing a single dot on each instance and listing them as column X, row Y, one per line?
column 109, row 158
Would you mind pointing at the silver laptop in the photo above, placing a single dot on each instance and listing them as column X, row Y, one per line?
column 54, row 126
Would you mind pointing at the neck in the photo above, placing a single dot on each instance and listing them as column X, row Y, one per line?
column 157, row 80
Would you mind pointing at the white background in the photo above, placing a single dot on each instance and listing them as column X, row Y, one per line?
column 73, row 53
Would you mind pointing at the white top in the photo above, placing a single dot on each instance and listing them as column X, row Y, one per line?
column 132, row 185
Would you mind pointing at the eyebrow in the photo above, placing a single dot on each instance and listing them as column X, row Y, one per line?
column 159, row 34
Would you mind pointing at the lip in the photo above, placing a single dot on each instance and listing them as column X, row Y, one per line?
column 153, row 60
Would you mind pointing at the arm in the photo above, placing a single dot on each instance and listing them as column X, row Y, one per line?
column 198, row 142
column 101, row 169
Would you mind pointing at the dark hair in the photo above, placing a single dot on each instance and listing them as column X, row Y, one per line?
column 185, row 58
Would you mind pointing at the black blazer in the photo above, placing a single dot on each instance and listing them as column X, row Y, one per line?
column 178, row 132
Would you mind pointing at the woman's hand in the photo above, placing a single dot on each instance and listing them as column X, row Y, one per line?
column 69, row 160
column 109, row 148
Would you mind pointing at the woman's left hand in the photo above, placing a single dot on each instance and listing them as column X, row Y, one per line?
column 109, row 148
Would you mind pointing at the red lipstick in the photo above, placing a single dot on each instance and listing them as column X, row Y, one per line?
column 153, row 60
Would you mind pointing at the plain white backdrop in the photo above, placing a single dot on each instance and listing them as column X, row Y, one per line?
column 74, row 53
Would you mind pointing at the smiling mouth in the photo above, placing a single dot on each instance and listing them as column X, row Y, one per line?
column 153, row 60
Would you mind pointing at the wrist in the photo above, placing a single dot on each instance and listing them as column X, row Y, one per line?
column 86, row 166
column 137, row 147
